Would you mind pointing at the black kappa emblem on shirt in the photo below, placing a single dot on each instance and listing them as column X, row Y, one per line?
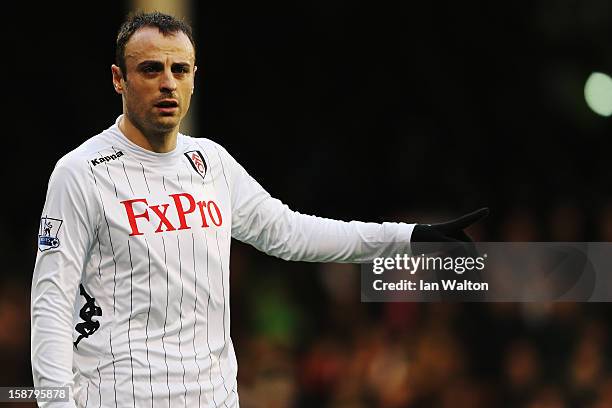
column 89, row 310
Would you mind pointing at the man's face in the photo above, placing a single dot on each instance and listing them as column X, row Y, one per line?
column 160, row 72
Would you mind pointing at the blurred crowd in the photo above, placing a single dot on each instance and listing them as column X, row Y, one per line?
column 437, row 355
column 304, row 338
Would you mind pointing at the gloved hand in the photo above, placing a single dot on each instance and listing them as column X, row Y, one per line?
column 446, row 232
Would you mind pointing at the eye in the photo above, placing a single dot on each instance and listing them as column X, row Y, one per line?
column 180, row 69
column 150, row 68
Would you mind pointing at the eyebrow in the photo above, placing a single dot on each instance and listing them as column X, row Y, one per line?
column 159, row 63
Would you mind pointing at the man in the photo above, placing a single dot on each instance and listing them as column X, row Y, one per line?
column 130, row 292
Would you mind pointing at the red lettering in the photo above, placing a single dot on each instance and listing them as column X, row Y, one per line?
column 183, row 208
column 181, row 211
column 129, row 209
column 162, row 218
column 201, row 205
column 217, row 211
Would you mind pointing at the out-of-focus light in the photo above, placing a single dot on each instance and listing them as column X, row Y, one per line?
column 598, row 93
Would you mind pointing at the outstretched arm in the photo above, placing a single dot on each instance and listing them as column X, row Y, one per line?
column 269, row 225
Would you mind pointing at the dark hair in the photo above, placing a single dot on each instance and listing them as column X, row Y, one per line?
column 165, row 23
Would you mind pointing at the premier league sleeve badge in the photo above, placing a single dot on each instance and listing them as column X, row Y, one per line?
column 47, row 236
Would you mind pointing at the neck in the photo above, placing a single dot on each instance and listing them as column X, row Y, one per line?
column 158, row 142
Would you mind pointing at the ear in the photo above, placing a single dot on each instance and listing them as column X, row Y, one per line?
column 118, row 82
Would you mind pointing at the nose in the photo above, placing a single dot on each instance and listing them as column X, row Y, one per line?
column 168, row 82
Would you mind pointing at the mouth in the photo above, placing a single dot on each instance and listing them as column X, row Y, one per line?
column 167, row 105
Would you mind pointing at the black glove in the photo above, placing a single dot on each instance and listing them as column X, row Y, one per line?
column 446, row 232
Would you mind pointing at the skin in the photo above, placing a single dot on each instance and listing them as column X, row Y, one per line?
column 158, row 67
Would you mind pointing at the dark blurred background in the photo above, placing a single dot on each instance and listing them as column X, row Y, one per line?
column 375, row 111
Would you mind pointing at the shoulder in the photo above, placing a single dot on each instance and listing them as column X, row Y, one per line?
column 76, row 163
column 211, row 149
column 191, row 142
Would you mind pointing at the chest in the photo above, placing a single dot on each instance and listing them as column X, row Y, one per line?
column 137, row 200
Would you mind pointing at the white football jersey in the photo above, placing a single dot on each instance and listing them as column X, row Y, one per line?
column 130, row 293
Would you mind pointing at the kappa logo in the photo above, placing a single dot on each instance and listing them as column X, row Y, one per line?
column 99, row 160
column 47, row 237
column 88, row 311
column 197, row 162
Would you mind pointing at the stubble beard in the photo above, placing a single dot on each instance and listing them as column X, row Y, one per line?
column 154, row 125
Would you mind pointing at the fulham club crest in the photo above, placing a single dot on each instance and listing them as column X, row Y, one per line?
column 47, row 237
column 197, row 162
